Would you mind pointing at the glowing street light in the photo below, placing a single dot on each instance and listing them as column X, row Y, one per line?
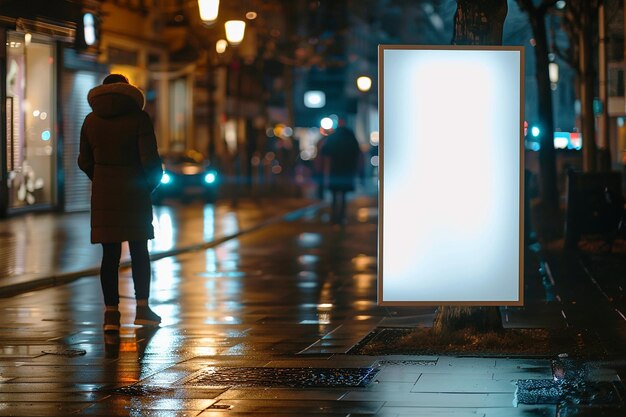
column 553, row 71
column 314, row 99
column 235, row 30
column 535, row 131
column 220, row 46
column 364, row 83
column 209, row 10
column 327, row 123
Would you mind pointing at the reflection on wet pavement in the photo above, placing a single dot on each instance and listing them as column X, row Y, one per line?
column 289, row 299
column 48, row 244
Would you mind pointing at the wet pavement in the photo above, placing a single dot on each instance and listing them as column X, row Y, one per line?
column 38, row 250
column 258, row 318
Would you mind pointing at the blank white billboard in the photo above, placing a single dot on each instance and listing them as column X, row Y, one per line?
column 451, row 175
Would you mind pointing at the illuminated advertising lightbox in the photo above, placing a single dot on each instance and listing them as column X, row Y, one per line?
column 451, row 175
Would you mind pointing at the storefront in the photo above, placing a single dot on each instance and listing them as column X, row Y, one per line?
column 54, row 53
column 31, row 139
column 79, row 75
column 34, row 35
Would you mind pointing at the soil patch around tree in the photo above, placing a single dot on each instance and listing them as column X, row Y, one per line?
column 511, row 342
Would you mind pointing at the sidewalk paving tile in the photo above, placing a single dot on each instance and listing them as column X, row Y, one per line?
column 45, row 397
column 389, row 386
column 545, row 373
column 283, row 394
column 30, row 409
column 147, row 408
column 446, row 400
column 229, row 314
column 398, row 375
column 48, row 387
column 387, row 411
column 521, row 411
column 452, row 383
column 301, row 406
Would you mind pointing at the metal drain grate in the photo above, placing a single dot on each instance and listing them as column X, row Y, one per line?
column 545, row 391
column 64, row 351
column 281, row 377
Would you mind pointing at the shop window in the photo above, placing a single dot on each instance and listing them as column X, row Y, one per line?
column 31, row 138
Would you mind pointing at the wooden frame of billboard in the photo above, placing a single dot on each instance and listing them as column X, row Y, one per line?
column 381, row 50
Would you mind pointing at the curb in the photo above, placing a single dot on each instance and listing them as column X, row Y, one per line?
column 67, row 277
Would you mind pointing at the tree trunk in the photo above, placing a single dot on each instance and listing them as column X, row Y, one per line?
column 476, row 22
column 604, row 160
column 549, row 228
column 482, row 319
column 587, row 88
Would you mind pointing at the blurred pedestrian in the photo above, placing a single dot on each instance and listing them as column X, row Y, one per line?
column 118, row 152
column 318, row 169
column 342, row 152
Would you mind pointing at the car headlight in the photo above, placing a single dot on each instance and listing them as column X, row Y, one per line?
column 166, row 178
column 210, row 177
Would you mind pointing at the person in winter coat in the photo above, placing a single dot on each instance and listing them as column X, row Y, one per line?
column 342, row 152
column 118, row 152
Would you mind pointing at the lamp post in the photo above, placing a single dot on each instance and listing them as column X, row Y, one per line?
column 364, row 84
column 208, row 11
column 235, row 31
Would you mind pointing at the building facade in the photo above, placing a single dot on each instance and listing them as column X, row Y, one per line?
column 54, row 53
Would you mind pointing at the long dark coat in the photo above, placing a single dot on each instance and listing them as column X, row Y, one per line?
column 118, row 151
column 343, row 152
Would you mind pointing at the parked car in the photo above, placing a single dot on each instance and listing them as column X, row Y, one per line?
column 186, row 176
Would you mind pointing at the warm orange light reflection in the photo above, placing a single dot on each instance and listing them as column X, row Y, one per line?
column 363, row 305
column 364, row 282
column 128, row 346
column 362, row 215
column 363, row 262
column 205, row 351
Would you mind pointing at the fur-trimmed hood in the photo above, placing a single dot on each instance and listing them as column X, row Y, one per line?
column 111, row 100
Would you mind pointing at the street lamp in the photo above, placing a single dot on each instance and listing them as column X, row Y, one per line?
column 553, row 70
column 314, row 99
column 553, row 73
column 364, row 83
column 209, row 10
column 220, row 46
column 235, row 30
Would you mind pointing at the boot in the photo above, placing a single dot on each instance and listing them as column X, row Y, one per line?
column 146, row 317
column 111, row 321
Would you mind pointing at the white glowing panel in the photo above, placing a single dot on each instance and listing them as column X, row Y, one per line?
column 451, row 176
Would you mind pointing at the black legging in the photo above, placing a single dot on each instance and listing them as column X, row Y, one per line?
column 338, row 208
column 140, row 264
